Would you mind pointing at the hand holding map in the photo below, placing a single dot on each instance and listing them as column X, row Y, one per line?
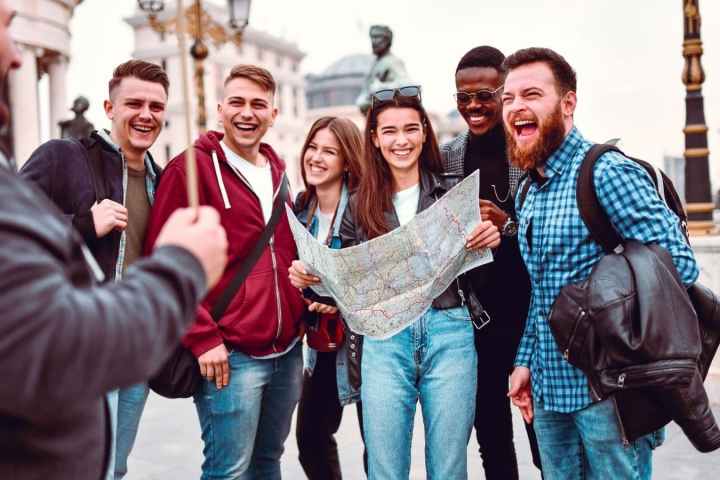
column 385, row 284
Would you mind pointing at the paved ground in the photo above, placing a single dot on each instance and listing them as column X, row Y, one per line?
column 169, row 447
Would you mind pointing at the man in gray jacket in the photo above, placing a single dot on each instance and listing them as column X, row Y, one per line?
column 64, row 340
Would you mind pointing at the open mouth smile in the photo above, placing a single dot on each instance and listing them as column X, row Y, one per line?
column 524, row 128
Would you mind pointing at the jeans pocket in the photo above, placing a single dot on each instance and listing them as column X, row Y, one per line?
column 457, row 313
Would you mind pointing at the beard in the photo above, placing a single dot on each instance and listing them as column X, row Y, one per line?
column 551, row 133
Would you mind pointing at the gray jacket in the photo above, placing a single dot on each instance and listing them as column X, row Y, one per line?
column 65, row 341
column 453, row 157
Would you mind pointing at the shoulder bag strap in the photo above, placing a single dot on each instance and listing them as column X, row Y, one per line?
column 249, row 262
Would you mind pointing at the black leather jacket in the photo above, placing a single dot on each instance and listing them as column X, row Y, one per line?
column 432, row 187
column 633, row 330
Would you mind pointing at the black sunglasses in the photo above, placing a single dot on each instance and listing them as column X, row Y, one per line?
column 389, row 94
column 483, row 96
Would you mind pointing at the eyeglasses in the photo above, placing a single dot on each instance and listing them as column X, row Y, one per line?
column 483, row 96
column 389, row 94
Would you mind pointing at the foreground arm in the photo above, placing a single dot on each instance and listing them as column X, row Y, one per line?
column 64, row 341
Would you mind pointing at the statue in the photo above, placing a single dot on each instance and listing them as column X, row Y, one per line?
column 388, row 70
column 78, row 127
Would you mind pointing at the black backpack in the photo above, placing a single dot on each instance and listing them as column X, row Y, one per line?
column 594, row 216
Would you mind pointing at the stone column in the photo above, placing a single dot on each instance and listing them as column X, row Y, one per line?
column 57, row 71
column 24, row 106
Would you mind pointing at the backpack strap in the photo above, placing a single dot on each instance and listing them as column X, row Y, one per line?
column 93, row 149
column 591, row 212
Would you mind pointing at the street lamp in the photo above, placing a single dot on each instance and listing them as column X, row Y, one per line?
column 697, row 169
column 200, row 25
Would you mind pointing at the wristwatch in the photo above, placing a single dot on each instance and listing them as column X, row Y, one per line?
column 509, row 228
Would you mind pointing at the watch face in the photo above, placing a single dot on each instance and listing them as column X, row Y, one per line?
column 510, row 228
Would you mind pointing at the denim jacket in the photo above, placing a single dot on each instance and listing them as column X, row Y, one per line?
column 346, row 393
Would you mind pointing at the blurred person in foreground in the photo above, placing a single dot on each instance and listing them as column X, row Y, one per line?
column 64, row 340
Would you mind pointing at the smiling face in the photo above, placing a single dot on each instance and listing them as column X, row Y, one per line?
column 323, row 163
column 400, row 135
column 246, row 113
column 480, row 116
column 137, row 111
column 535, row 116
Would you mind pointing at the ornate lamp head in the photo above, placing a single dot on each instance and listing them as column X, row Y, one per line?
column 239, row 13
column 151, row 6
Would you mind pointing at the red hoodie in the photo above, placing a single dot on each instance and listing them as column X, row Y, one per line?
column 264, row 316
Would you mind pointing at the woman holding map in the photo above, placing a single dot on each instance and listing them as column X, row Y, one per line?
column 433, row 360
column 330, row 168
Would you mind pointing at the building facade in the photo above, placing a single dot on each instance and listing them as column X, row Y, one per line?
column 42, row 34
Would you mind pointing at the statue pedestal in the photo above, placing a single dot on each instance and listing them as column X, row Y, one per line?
column 707, row 253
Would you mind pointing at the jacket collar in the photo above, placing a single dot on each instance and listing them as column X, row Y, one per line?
column 104, row 136
column 560, row 158
column 432, row 187
column 342, row 204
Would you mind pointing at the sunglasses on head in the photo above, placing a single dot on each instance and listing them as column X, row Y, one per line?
column 390, row 94
column 485, row 95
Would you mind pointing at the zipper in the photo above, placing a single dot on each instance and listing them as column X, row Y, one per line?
column 625, row 441
column 271, row 243
column 566, row 352
column 277, row 290
column 593, row 393
column 461, row 294
column 646, row 374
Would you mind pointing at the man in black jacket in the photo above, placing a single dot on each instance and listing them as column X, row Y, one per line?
column 502, row 286
column 64, row 340
column 105, row 185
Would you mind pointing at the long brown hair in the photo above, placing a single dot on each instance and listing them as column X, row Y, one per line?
column 349, row 138
column 375, row 191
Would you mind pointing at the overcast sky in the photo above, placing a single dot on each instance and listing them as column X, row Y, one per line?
column 627, row 54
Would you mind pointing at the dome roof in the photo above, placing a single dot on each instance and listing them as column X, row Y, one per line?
column 355, row 64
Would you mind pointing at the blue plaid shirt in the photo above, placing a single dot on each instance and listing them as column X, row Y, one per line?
column 561, row 252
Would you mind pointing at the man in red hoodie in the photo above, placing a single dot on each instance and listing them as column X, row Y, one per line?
column 251, row 357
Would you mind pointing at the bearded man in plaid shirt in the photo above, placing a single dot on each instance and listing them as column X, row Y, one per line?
column 578, row 439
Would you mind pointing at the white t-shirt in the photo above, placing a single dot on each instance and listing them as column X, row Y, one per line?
column 324, row 220
column 259, row 178
column 406, row 203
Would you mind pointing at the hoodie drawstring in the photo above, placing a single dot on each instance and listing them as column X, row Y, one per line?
column 223, row 192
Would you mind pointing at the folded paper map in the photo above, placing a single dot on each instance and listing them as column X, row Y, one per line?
column 386, row 283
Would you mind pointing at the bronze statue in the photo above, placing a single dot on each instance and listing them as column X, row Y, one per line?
column 78, row 127
column 388, row 71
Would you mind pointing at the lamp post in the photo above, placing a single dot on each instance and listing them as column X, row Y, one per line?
column 201, row 27
column 697, row 169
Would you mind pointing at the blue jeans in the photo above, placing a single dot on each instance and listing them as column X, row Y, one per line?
column 433, row 360
column 587, row 444
column 245, row 424
column 126, row 407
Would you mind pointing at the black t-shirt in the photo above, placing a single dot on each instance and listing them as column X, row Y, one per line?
column 502, row 286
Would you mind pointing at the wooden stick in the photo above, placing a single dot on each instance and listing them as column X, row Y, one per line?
column 190, row 164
